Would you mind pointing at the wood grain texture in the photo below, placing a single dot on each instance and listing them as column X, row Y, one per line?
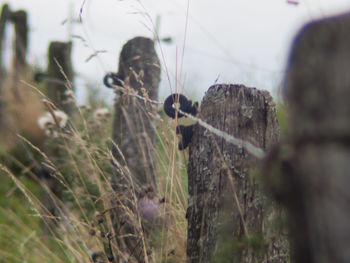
column 219, row 172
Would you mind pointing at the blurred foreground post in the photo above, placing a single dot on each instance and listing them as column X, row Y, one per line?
column 316, row 180
column 228, row 220
column 134, row 134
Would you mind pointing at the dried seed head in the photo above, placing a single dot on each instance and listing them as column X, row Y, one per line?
column 69, row 93
column 48, row 124
column 101, row 114
column 47, row 121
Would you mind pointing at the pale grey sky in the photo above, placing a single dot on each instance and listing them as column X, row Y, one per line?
column 235, row 41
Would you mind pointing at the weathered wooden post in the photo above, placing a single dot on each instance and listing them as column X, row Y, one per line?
column 19, row 19
column 3, row 19
column 315, row 168
column 19, row 98
column 60, row 72
column 134, row 129
column 227, row 219
column 59, row 86
column 134, row 134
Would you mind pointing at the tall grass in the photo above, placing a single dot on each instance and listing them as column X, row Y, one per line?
column 79, row 227
column 80, row 224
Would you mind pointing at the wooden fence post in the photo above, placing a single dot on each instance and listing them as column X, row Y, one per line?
column 3, row 19
column 134, row 134
column 134, row 129
column 227, row 219
column 58, row 82
column 19, row 18
column 315, row 174
column 14, row 87
column 60, row 72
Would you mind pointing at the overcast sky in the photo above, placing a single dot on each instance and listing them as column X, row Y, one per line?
column 231, row 41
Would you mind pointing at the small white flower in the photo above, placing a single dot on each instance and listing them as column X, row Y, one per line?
column 101, row 114
column 51, row 133
column 61, row 117
column 46, row 121
column 69, row 93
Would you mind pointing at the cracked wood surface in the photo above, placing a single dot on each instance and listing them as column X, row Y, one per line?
column 226, row 210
